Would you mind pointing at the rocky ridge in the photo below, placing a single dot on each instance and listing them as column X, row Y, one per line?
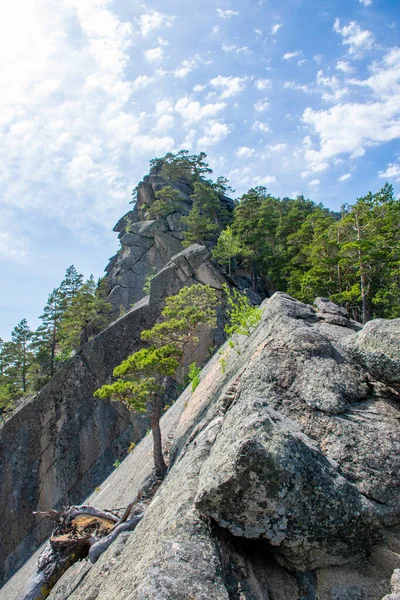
column 62, row 443
column 284, row 476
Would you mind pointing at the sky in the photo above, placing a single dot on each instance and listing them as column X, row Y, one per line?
column 302, row 96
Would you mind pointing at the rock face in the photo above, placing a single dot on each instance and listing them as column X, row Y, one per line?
column 61, row 444
column 146, row 245
column 283, row 483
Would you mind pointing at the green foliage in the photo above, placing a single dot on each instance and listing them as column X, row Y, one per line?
column 183, row 314
column 199, row 228
column 182, row 165
column 142, row 377
column 116, row 464
column 87, row 307
column 228, row 246
column 128, row 225
column 194, row 375
column 149, row 278
column 243, row 317
column 168, row 201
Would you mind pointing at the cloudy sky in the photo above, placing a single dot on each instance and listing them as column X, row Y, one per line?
column 302, row 96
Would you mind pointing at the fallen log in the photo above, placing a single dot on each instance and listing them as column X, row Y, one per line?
column 81, row 531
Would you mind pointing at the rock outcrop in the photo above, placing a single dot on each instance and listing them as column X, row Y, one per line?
column 283, row 483
column 147, row 245
column 62, row 443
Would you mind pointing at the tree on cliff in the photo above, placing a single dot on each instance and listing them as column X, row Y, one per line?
column 86, row 307
column 143, row 377
column 228, row 246
column 167, row 201
column 181, row 165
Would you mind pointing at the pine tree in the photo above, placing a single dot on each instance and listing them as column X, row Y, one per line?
column 143, row 377
column 87, row 307
column 228, row 246
column 168, row 201
column 200, row 228
column 19, row 355
column 71, row 285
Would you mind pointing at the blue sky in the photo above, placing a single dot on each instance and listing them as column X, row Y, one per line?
column 301, row 96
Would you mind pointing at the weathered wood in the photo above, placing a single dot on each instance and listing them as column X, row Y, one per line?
column 101, row 546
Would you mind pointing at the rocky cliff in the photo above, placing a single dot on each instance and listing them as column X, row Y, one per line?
column 147, row 245
column 62, row 443
column 284, row 476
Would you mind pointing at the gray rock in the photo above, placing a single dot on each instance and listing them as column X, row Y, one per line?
column 148, row 228
column 377, row 349
column 324, row 305
column 332, row 313
column 265, row 479
column 254, row 298
column 130, row 256
column 195, row 255
column 174, row 222
column 167, row 244
column 208, row 275
column 395, row 585
column 133, row 239
column 145, row 194
column 124, row 221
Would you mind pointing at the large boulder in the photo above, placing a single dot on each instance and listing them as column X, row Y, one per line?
column 264, row 479
column 377, row 349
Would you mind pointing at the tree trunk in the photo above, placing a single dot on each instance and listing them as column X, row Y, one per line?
column 159, row 463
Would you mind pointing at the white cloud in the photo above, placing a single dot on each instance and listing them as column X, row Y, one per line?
column 392, row 172
column 165, row 123
column 263, row 179
column 365, row 2
column 349, row 127
column 277, row 147
column 344, row 66
column 192, row 111
column 359, row 40
column 216, row 132
column 263, row 84
column 154, row 54
column 261, row 126
column 63, row 111
column 275, row 28
column 261, row 105
column 230, row 86
column 237, row 49
column 296, row 86
column 199, row 88
column 186, row 66
column 345, row 177
column 360, row 151
column 336, row 87
column 226, row 14
column 314, row 183
column 245, row 152
column 164, row 107
column 290, row 55
column 154, row 20
column 318, row 58
column 141, row 82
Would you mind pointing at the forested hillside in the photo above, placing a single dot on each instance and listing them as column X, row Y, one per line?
column 288, row 244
